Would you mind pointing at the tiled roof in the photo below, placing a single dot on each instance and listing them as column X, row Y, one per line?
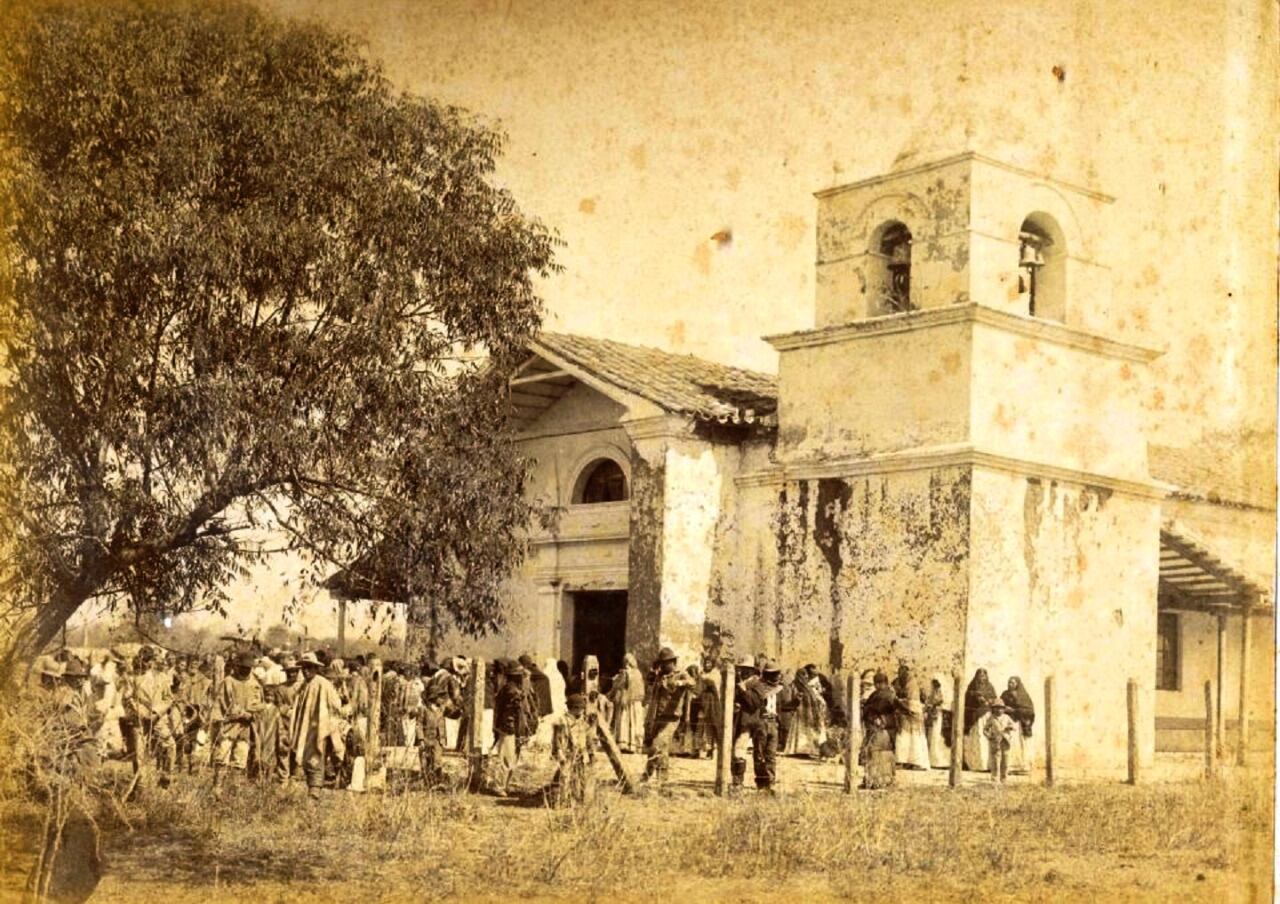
column 681, row 384
column 1210, row 473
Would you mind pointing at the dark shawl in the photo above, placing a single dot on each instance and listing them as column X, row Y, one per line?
column 1021, row 709
column 540, row 684
column 882, row 702
column 978, row 699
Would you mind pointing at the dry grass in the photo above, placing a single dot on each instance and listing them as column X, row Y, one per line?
column 1199, row 840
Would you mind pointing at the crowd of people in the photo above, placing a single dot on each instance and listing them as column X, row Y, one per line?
column 276, row 715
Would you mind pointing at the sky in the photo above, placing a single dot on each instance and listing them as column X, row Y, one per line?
column 640, row 130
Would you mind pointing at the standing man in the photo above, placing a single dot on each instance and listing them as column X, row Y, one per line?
column 241, row 699
column 317, row 724
column 572, row 740
column 762, row 704
column 152, row 697
column 510, row 724
column 431, row 735
column 743, row 722
column 670, row 688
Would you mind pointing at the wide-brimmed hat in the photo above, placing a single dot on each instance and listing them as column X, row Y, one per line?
column 666, row 654
column 575, row 700
column 48, row 667
column 289, row 662
column 310, row 659
column 74, row 668
column 514, row 669
column 769, row 667
column 747, row 662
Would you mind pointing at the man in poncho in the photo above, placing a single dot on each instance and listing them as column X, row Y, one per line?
column 666, row 703
column 318, row 726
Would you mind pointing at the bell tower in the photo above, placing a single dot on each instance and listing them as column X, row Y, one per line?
column 963, row 441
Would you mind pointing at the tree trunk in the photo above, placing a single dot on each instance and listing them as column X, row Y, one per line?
column 35, row 630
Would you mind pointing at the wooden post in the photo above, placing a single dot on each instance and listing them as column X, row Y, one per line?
column 1242, row 751
column 373, row 743
column 615, row 758
column 342, row 628
column 1220, row 708
column 1132, row 695
column 475, row 726
column 1048, row 731
column 957, row 729
column 853, row 734
column 724, row 751
column 1210, row 766
column 215, row 708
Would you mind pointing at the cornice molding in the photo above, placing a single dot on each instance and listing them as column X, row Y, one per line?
column 970, row 312
column 959, row 158
column 931, row 458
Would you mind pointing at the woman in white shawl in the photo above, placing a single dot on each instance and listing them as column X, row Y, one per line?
column 911, row 747
column 935, row 705
column 627, row 696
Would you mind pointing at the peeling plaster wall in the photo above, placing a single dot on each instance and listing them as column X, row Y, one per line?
column 881, row 394
column 647, row 547
column 1063, row 582
column 873, row 569
column 1052, row 403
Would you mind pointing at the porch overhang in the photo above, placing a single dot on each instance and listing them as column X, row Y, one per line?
column 1193, row 579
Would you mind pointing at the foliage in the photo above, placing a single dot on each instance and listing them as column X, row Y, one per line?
column 245, row 287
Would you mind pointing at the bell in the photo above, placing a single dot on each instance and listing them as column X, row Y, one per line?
column 1030, row 256
column 901, row 253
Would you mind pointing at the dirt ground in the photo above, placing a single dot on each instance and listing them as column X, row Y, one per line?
column 1194, row 841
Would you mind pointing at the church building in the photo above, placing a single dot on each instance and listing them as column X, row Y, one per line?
column 951, row 468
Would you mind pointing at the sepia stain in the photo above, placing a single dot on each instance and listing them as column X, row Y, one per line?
column 792, row 230
column 639, row 157
column 733, row 178
column 1060, row 74
column 676, row 334
column 702, row 258
column 951, row 362
column 587, row 205
column 723, row 238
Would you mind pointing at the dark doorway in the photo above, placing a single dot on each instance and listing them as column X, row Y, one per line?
column 600, row 628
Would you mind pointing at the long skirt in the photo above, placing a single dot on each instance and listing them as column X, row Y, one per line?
column 628, row 726
column 879, row 769
column 910, row 746
column 977, row 749
column 807, row 735
column 1019, row 753
column 939, row 752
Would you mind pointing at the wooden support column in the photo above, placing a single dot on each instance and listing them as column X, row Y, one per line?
column 342, row 628
column 957, row 729
column 215, row 709
column 853, row 737
column 1242, row 751
column 475, row 726
column 373, row 742
column 615, row 758
column 724, row 750
column 1210, row 759
column 1220, row 708
column 1131, row 694
column 1048, row 732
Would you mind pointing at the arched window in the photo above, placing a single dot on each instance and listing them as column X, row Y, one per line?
column 889, row 282
column 1042, row 274
column 601, row 481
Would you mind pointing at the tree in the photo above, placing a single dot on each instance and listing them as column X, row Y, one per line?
column 243, row 285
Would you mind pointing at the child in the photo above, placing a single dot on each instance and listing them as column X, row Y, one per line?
column 877, row 754
column 999, row 730
column 572, row 747
column 429, row 736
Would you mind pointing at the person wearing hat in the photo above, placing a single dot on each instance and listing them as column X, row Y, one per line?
column 285, row 696
column 192, row 701
column 150, row 701
column 233, row 713
column 429, row 734
column 510, row 725
column 318, row 726
column 670, row 688
column 743, row 723
column 572, row 747
column 763, row 699
column 999, row 729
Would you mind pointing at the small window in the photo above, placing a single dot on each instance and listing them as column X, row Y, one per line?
column 602, row 481
column 1168, row 652
column 1042, row 267
column 895, row 246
